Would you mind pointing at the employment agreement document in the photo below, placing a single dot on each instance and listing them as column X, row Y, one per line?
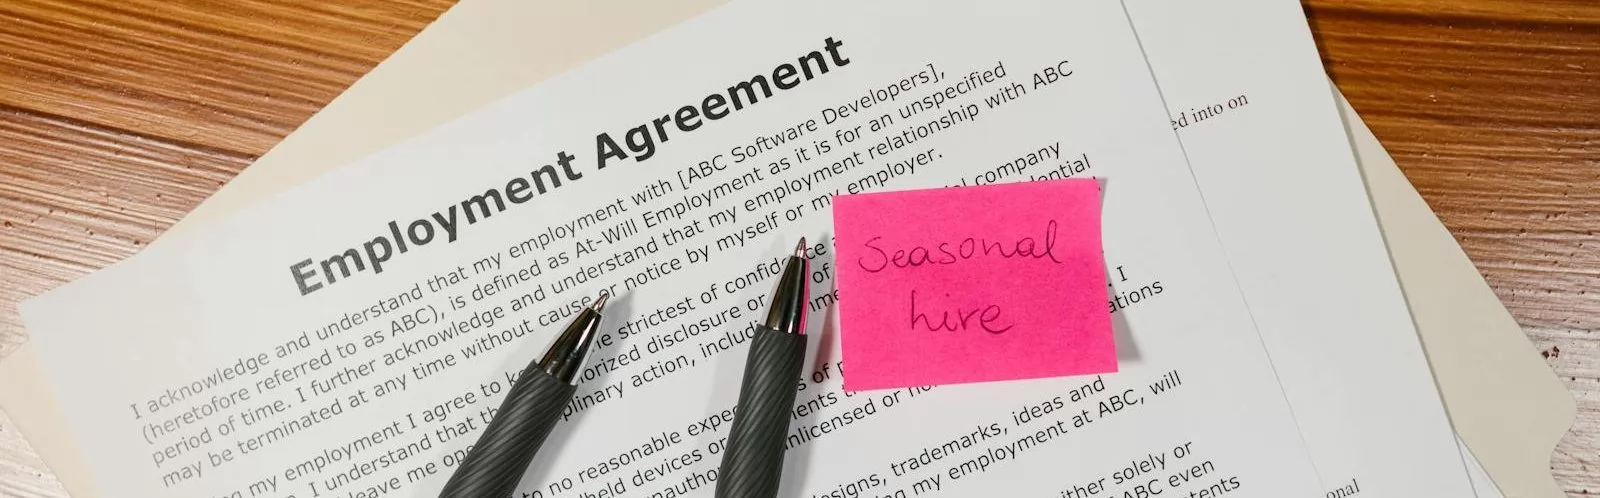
column 1250, row 102
column 351, row 336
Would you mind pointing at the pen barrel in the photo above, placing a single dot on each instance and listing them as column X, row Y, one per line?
column 501, row 456
column 753, row 462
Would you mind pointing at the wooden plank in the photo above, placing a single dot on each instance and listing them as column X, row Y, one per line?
column 120, row 116
column 78, row 197
column 235, row 75
column 1493, row 111
column 22, row 474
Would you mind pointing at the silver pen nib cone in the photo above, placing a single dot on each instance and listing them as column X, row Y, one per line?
column 570, row 351
column 787, row 311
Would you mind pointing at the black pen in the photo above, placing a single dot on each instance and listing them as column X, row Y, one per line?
column 500, row 457
column 753, row 462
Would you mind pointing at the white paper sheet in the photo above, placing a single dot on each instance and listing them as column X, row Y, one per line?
column 1247, row 95
column 1512, row 413
column 473, row 55
column 1482, row 484
column 230, row 293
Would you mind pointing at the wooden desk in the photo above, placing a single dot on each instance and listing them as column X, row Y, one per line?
column 117, row 117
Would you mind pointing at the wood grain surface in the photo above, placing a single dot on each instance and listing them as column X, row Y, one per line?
column 117, row 117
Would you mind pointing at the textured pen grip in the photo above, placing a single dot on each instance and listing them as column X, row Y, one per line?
column 752, row 466
column 500, row 457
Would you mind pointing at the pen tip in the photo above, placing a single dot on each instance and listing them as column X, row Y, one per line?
column 600, row 301
column 800, row 250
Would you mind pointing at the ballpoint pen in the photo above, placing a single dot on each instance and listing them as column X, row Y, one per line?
column 753, row 462
column 502, row 453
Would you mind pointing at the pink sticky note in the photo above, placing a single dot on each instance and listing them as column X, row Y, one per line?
column 972, row 284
